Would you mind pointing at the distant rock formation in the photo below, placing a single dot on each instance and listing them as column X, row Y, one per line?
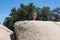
column 5, row 33
column 37, row 30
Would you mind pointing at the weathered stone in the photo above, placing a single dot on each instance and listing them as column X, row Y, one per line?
column 5, row 33
column 37, row 30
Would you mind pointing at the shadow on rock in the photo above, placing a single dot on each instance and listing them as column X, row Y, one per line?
column 13, row 36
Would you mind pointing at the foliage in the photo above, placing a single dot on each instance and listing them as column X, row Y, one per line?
column 24, row 12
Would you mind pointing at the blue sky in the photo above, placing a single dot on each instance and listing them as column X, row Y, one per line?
column 7, row 5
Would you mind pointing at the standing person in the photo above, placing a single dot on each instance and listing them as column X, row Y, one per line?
column 34, row 16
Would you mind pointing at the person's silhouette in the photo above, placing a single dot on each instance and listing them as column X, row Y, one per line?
column 34, row 16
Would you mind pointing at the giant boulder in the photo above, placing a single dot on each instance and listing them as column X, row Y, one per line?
column 5, row 33
column 37, row 30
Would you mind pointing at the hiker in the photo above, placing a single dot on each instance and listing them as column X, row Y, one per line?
column 34, row 16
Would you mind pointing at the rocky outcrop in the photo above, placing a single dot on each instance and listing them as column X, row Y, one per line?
column 5, row 33
column 37, row 30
